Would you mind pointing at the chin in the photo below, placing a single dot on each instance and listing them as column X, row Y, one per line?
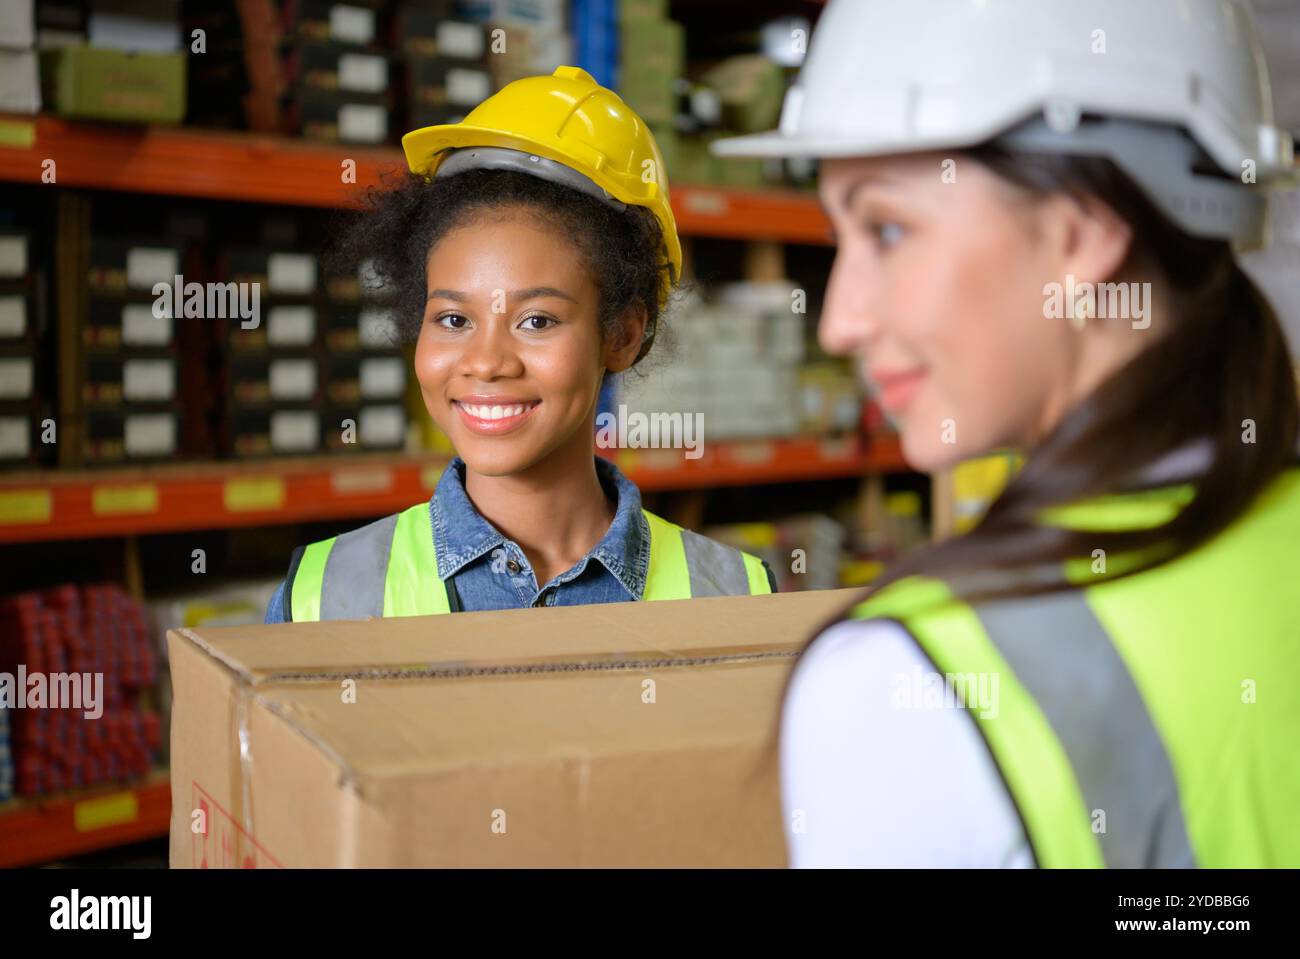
column 925, row 451
column 486, row 461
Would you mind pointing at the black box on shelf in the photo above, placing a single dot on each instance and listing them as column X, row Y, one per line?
column 277, row 272
column 15, row 254
column 27, row 436
column 336, row 67
column 19, row 377
column 350, row 329
column 358, row 22
column 119, row 264
column 432, row 32
column 280, row 326
column 130, row 435
column 280, row 431
column 21, row 318
column 113, row 325
column 363, row 378
column 441, row 90
column 365, row 428
column 109, row 381
column 339, row 116
column 264, row 381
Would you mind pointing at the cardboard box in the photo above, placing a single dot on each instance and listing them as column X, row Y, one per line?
column 103, row 84
column 514, row 738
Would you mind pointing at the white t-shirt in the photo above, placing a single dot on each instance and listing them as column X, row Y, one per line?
column 875, row 773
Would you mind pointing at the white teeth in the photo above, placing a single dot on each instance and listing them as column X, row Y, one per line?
column 494, row 412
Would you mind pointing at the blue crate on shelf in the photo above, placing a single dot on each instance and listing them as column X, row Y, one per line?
column 594, row 24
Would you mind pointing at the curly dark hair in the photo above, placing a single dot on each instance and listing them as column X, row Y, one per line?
column 405, row 218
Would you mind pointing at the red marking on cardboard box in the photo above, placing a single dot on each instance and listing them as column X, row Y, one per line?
column 219, row 847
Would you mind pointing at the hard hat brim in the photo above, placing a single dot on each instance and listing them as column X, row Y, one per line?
column 776, row 145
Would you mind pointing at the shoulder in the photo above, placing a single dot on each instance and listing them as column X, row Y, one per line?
column 874, row 774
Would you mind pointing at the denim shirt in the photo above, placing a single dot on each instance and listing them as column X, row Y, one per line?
column 485, row 570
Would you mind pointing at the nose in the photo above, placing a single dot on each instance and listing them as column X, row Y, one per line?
column 848, row 322
column 491, row 353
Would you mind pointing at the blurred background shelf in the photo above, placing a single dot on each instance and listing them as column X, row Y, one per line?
column 64, row 504
column 233, row 165
column 83, row 821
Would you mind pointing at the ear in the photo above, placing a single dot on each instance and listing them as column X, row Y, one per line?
column 1092, row 240
column 621, row 348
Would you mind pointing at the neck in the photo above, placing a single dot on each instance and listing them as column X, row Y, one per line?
column 556, row 510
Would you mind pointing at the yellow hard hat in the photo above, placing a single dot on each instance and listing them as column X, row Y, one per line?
column 554, row 127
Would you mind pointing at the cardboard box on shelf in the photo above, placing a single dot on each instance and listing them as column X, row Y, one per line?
column 101, row 84
column 658, row 45
column 635, row 734
column 642, row 10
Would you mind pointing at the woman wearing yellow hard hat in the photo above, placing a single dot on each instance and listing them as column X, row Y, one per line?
column 1039, row 208
column 531, row 249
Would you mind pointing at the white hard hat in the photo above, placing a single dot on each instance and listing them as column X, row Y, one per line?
column 1114, row 78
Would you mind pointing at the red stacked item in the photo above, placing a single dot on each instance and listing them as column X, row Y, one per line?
column 65, row 634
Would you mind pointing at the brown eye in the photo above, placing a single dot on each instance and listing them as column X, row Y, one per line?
column 536, row 322
column 452, row 321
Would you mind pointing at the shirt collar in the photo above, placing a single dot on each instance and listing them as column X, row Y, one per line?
column 461, row 535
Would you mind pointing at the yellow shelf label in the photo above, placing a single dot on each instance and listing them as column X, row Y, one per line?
column 18, row 133
column 360, row 480
column 252, row 495
column 116, row 500
column 91, row 814
column 754, row 454
column 26, row 506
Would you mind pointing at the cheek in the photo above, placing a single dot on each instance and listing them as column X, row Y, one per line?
column 568, row 369
column 433, row 366
column 974, row 316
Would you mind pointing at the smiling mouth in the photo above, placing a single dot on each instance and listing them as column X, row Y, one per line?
column 494, row 417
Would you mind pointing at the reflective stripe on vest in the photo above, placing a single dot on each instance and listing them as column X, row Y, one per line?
column 390, row 568
column 1121, row 722
column 1094, row 787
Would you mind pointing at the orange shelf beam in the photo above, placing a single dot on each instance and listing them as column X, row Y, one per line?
column 59, row 505
column 252, row 167
column 72, row 824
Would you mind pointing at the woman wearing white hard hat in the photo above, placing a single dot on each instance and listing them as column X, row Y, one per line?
column 1038, row 208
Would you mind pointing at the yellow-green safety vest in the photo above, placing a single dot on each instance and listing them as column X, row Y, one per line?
column 390, row 568
column 1152, row 721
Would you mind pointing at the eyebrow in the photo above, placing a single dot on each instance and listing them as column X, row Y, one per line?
column 531, row 293
column 846, row 198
